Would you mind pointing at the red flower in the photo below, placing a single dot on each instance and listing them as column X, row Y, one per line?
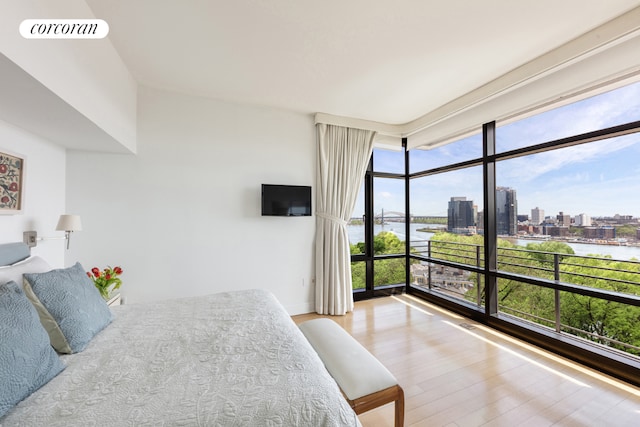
column 13, row 186
column 88, row 275
column 106, row 280
column 5, row 199
column 3, row 168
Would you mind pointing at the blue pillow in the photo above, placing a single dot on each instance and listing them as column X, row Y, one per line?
column 70, row 307
column 27, row 361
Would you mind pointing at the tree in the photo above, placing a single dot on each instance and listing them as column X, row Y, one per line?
column 389, row 271
column 358, row 275
column 591, row 318
column 627, row 230
column 544, row 252
column 387, row 242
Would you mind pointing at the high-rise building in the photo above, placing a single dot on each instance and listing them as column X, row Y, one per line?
column 583, row 220
column 480, row 222
column 537, row 216
column 460, row 215
column 506, row 211
column 564, row 220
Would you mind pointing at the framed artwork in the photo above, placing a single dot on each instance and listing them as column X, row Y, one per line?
column 11, row 183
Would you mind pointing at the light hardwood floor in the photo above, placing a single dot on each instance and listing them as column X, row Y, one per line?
column 456, row 372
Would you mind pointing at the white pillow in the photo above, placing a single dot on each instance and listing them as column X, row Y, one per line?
column 33, row 264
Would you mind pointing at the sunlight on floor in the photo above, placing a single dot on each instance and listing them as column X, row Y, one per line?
column 519, row 355
column 593, row 374
column 425, row 304
column 429, row 308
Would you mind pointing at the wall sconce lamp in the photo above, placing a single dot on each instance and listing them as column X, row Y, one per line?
column 66, row 223
column 69, row 224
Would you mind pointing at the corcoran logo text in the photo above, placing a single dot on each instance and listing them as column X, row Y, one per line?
column 64, row 29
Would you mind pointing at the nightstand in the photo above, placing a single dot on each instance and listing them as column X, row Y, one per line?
column 114, row 300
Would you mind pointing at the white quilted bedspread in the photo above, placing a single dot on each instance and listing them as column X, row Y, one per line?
column 230, row 359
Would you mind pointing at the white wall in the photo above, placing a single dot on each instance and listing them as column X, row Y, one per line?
column 182, row 216
column 44, row 192
column 88, row 75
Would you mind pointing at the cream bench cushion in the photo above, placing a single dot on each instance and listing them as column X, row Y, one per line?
column 365, row 382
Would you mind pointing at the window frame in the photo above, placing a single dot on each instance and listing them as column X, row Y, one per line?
column 487, row 311
column 368, row 257
column 614, row 363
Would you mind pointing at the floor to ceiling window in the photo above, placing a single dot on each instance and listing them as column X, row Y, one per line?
column 532, row 226
column 377, row 228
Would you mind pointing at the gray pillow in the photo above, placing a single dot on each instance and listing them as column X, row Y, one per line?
column 27, row 361
column 70, row 307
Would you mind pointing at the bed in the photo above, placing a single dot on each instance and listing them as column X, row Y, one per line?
column 228, row 359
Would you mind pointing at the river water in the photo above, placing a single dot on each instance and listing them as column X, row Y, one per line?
column 356, row 234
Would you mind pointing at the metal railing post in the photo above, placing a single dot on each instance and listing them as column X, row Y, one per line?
column 479, row 275
column 556, row 292
column 430, row 263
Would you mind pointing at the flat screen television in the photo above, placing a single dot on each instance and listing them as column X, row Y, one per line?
column 286, row 200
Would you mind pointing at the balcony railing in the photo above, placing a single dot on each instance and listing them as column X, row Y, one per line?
column 605, row 290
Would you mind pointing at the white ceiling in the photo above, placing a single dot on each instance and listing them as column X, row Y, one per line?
column 386, row 61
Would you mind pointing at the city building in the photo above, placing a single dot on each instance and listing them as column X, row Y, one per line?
column 537, row 216
column 582, row 220
column 525, row 229
column 480, row 222
column 605, row 232
column 460, row 215
column 556, row 230
column 563, row 219
column 538, row 229
column 506, row 211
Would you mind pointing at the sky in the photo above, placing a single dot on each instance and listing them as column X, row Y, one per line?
column 598, row 179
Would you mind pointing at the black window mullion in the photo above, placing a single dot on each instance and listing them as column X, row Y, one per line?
column 368, row 228
column 490, row 231
column 407, row 217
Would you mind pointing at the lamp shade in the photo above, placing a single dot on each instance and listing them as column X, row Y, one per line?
column 69, row 223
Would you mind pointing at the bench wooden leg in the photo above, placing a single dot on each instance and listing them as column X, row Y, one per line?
column 379, row 398
column 399, row 408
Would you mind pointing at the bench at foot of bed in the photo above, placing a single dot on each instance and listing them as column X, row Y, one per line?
column 365, row 382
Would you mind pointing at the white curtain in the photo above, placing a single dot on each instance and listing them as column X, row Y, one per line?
column 343, row 155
